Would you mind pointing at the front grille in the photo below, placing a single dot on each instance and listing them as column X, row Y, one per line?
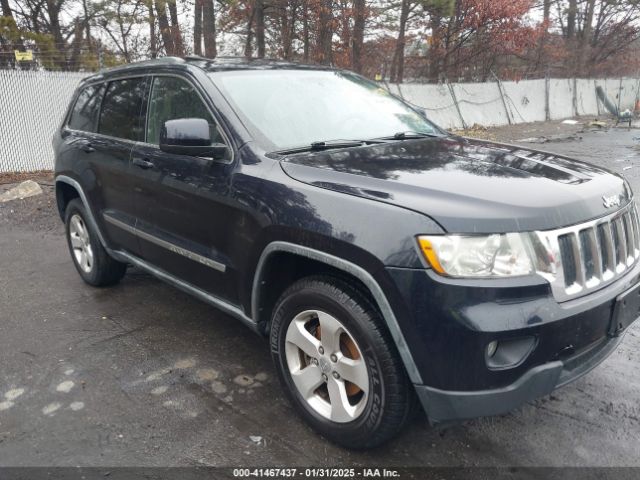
column 592, row 255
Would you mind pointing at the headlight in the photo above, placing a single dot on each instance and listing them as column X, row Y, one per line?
column 497, row 255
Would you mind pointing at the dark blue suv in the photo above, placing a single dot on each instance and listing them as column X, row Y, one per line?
column 387, row 260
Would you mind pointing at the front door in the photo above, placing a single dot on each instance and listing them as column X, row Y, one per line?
column 182, row 201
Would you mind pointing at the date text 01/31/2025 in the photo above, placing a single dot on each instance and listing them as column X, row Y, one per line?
column 315, row 473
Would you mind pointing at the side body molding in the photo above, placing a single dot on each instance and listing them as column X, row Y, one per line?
column 353, row 269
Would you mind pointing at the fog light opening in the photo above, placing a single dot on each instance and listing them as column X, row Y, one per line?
column 509, row 353
column 492, row 348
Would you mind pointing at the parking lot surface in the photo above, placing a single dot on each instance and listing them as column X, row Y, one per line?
column 143, row 374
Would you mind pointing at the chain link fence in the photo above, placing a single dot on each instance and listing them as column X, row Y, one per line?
column 32, row 104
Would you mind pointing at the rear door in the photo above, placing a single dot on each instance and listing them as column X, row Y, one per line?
column 120, row 125
column 80, row 135
column 182, row 201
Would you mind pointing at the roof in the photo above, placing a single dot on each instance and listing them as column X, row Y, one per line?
column 217, row 64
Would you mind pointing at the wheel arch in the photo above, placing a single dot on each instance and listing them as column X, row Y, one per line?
column 65, row 192
column 261, row 296
column 68, row 186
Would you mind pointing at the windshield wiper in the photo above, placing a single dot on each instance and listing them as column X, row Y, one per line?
column 325, row 145
column 410, row 134
column 328, row 145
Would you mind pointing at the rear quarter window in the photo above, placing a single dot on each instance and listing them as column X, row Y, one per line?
column 121, row 115
column 86, row 110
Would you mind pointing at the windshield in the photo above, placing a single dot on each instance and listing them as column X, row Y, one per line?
column 294, row 108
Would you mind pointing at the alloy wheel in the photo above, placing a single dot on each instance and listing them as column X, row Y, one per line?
column 327, row 366
column 81, row 243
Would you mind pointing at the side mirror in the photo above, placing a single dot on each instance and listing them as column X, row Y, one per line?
column 190, row 136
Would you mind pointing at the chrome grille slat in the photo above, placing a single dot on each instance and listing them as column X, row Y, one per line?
column 628, row 230
column 636, row 232
column 606, row 250
column 591, row 257
column 622, row 244
column 594, row 254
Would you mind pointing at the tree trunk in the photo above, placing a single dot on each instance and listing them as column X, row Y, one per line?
column 248, row 50
column 571, row 18
column 260, row 28
column 286, row 33
column 165, row 29
column 546, row 18
column 87, row 26
column 585, row 39
column 357, row 49
column 78, row 29
column 6, row 9
column 209, row 28
column 153, row 41
column 175, row 29
column 546, row 10
column 6, row 12
column 305, row 33
column 397, row 63
column 53, row 10
column 197, row 27
column 289, row 18
column 325, row 33
column 345, row 32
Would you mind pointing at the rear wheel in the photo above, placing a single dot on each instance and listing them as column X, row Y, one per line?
column 338, row 364
column 92, row 261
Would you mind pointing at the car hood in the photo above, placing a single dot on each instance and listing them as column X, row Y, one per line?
column 468, row 186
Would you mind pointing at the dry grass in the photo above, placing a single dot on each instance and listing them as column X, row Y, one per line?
column 15, row 177
column 476, row 131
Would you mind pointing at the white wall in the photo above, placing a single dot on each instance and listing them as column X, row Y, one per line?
column 481, row 103
column 435, row 98
column 525, row 100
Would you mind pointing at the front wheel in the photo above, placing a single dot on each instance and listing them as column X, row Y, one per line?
column 338, row 364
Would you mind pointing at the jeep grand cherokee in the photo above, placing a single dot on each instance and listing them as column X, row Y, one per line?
column 387, row 260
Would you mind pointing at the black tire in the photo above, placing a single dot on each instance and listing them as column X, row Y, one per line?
column 391, row 398
column 104, row 270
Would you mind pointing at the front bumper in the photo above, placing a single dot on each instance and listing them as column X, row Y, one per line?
column 448, row 324
column 445, row 406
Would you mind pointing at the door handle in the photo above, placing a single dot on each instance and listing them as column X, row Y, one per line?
column 142, row 163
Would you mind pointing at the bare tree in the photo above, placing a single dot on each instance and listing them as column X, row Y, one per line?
column 306, row 40
column 153, row 41
column 6, row 9
column 197, row 27
column 357, row 48
column 165, row 29
column 324, row 50
column 248, row 49
column 396, row 73
column 209, row 28
column 259, row 6
column 178, row 46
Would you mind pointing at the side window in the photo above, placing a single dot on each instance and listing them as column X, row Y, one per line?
column 84, row 115
column 173, row 98
column 121, row 115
